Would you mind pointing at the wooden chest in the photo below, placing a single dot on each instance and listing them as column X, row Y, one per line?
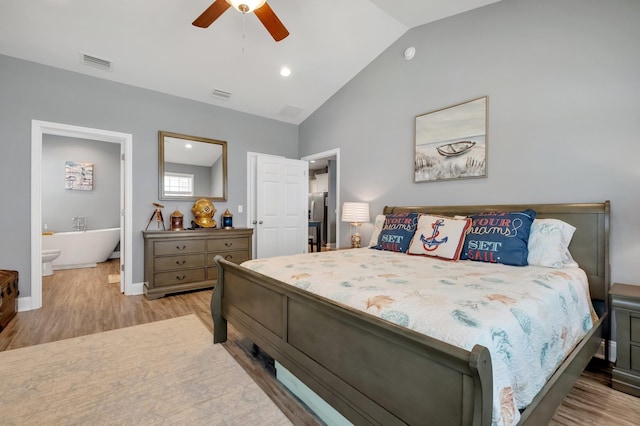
column 8, row 296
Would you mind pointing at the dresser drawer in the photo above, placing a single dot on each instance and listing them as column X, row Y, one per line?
column 226, row 244
column 163, row 248
column 635, row 357
column 635, row 329
column 179, row 277
column 232, row 256
column 169, row 263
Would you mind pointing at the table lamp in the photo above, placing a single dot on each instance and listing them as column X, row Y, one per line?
column 356, row 214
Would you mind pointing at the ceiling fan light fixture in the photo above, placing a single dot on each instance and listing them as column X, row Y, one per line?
column 246, row 6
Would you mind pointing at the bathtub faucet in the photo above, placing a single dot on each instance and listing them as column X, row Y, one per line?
column 79, row 223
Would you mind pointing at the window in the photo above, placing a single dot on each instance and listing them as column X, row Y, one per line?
column 178, row 184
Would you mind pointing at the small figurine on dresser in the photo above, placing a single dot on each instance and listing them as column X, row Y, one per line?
column 176, row 220
column 157, row 215
column 227, row 219
column 203, row 210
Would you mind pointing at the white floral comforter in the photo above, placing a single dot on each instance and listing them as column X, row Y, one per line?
column 529, row 317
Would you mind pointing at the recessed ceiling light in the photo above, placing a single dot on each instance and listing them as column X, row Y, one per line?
column 285, row 71
column 188, row 146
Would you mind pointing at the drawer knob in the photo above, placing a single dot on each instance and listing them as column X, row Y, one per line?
column 228, row 257
column 228, row 244
column 181, row 262
column 183, row 247
column 181, row 278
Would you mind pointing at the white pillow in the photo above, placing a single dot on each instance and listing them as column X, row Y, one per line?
column 377, row 227
column 549, row 243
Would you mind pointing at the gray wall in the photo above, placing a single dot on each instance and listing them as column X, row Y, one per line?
column 101, row 206
column 31, row 91
column 563, row 80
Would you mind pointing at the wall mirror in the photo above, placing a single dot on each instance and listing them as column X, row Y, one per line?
column 190, row 167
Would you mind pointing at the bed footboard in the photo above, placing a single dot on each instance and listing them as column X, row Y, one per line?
column 370, row 370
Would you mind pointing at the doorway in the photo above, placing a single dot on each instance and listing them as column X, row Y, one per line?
column 40, row 128
column 329, row 161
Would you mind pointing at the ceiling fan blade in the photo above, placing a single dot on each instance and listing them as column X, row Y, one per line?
column 271, row 22
column 212, row 13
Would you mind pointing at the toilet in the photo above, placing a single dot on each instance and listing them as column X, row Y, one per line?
column 48, row 256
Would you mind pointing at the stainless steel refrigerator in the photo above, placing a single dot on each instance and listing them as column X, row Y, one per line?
column 318, row 212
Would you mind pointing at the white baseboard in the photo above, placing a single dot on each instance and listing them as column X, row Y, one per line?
column 24, row 304
column 74, row 266
column 136, row 289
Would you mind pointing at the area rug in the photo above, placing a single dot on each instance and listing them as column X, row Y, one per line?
column 166, row 372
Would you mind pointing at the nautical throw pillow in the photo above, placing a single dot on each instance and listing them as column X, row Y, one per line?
column 397, row 231
column 499, row 237
column 439, row 236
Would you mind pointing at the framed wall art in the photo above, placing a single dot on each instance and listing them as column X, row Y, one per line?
column 78, row 176
column 451, row 143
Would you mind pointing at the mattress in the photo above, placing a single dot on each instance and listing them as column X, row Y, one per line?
column 528, row 317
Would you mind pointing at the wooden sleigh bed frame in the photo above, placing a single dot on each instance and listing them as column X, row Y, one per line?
column 375, row 372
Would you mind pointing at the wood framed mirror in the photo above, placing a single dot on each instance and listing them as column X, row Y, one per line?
column 191, row 167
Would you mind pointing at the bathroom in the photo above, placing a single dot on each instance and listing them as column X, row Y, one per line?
column 80, row 222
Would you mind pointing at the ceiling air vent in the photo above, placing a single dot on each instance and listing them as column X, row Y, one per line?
column 92, row 61
column 220, row 94
column 290, row 111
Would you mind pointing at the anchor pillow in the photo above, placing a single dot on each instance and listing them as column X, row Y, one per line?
column 499, row 237
column 439, row 236
column 397, row 231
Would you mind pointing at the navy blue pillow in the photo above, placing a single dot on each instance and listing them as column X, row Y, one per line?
column 499, row 237
column 397, row 232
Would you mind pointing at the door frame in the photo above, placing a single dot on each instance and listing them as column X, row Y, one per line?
column 38, row 130
column 330, row 154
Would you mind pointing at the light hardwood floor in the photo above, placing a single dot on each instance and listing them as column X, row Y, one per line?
column 80, row 302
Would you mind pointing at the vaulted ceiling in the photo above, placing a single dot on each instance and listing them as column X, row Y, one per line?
column 152, row 44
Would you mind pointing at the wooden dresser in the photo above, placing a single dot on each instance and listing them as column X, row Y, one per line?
column 176, row 261
column 625, row 301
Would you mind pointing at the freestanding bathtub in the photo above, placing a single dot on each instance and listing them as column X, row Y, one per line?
column 82, row 249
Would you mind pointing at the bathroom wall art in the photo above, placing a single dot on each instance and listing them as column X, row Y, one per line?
column 78, row 176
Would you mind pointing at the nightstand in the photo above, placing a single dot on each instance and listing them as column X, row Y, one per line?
column 625, row 302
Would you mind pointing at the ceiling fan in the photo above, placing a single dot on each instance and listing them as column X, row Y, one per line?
column 260, row 7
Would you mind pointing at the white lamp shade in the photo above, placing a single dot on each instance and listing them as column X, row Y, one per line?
column 246, row 6
column 355, row 212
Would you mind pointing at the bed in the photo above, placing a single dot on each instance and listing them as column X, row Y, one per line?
column 376, row 372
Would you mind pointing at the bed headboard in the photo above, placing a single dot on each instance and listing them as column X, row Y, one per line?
column 589, row 246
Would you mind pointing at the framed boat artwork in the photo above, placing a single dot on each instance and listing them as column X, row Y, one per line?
column 451, row 143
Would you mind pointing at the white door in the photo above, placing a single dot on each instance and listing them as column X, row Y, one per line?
column 281, row 220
